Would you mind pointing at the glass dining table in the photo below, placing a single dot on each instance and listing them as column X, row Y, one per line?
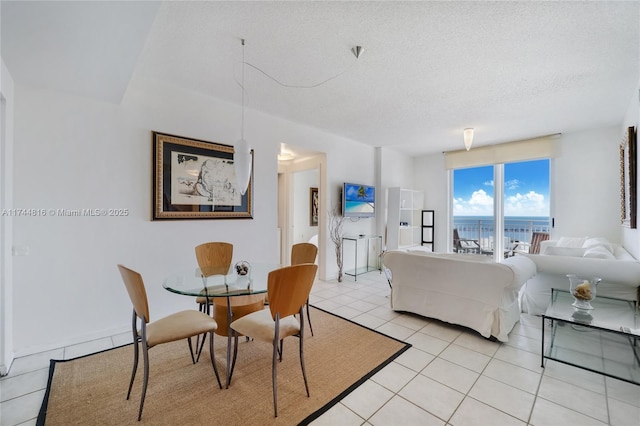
column 235, row 294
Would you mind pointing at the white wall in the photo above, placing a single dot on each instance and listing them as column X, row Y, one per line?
column 347, row 164
column 76, row 153
column 585, row 186
column 6, row 220
column 431, row 178
column 397, row 169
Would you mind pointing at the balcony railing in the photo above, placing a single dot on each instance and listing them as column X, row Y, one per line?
column 483, row 230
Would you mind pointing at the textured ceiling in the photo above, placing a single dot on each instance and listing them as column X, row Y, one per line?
column 511, row 70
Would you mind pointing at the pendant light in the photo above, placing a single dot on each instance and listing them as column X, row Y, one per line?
column 468, row 137
column 242, row 158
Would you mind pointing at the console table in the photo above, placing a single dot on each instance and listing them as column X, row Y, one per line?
column 355, row 239
column 605, row 340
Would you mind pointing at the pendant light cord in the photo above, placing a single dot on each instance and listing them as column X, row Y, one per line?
column 293, row 86
column 242, row 85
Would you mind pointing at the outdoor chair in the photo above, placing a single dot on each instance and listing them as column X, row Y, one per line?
column 532, row 247
column 464, row 245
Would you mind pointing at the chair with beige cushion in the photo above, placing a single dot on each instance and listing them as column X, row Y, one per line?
column 304, row 253
column 288, row 289
column 178, row 326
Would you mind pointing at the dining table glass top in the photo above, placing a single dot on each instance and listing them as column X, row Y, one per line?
column 196, row 282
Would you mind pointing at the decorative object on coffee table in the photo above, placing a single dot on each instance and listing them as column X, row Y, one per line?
column 583, row 290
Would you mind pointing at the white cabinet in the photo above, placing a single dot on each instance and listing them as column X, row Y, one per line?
column 404, row 218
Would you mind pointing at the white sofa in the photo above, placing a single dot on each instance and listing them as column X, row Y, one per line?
column 465, row 289
column 594, row 257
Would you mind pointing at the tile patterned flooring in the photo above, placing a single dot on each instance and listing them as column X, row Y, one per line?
column 450, row 376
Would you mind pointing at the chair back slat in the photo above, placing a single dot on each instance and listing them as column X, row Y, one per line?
column 303, row 253
column 536, row 239
column 288, row 288
column 137, row 293
column 214, row 258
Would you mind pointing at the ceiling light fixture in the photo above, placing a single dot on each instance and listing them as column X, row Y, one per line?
column 242, row 151
column 284, row 154
column 357, row 51
column 468, row 137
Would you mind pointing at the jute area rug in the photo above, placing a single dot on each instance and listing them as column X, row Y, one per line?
column 91, row 390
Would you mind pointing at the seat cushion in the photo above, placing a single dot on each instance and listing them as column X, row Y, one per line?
column 260, row 325
column 179, row 326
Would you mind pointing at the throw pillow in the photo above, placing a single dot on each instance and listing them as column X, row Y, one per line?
column 598, row 252
column 575, row 242
column 565, row 251
column 599, row 241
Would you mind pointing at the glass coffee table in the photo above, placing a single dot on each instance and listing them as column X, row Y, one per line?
column 604, row 340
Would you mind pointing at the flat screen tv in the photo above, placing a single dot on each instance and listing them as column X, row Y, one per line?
column 358, row 200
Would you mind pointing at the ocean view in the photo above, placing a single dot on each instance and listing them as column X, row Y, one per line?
column 516, row 228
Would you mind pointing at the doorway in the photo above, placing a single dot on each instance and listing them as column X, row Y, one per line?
column 301, row 177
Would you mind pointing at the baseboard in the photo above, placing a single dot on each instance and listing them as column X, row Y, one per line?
column 73, row 340
column 4, row 368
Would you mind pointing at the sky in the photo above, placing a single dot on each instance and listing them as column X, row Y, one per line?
column 526, row 190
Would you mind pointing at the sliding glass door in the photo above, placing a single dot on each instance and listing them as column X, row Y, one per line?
column 473, row 213
column 497, row 208
column 526, row 202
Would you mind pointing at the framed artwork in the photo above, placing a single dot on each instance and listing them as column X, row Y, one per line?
column 194, row 179
column 313, row 206
column 628, row 179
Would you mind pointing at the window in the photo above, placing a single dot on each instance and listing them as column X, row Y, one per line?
column 499, row 216
column 473, row 213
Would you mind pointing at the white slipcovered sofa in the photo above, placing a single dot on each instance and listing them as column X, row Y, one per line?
column 593, row 257
column 465, row 289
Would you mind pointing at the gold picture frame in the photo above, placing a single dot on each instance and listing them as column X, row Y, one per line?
column 195, row 179
column 628, row 179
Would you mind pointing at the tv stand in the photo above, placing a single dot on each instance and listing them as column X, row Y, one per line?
column 368, row 266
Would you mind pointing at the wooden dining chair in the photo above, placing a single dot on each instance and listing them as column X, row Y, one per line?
column 214, row 258
column 288, row 289
column 304, row 253
column 178, row 326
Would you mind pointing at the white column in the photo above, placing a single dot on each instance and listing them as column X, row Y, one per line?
column 6, row 221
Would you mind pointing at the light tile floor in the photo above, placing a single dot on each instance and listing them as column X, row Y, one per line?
column 450, row 376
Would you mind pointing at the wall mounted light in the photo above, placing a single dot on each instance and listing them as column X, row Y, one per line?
column 468, row 137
